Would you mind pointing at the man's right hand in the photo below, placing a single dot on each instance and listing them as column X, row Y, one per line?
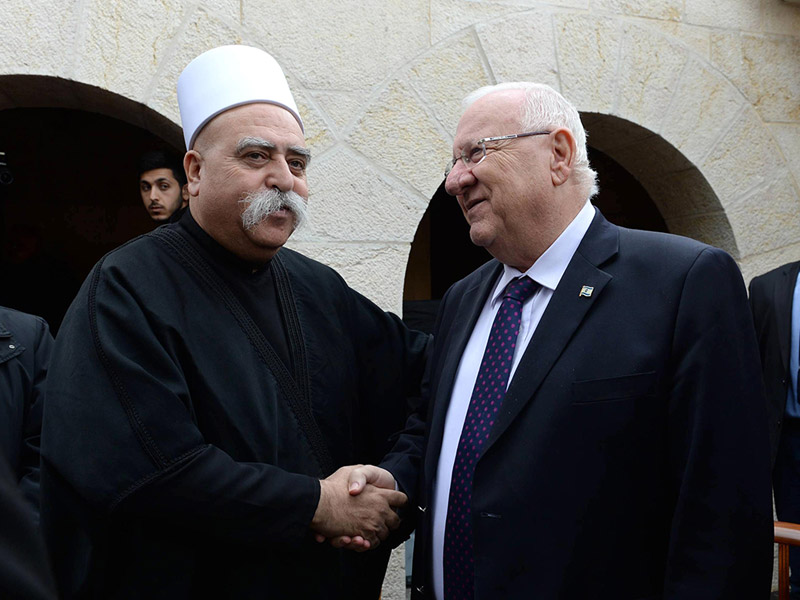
column 352, row 509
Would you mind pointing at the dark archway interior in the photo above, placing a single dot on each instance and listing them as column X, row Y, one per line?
column 442, row 252
column 74, row 196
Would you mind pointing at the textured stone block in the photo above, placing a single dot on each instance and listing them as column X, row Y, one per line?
column 649, row 69
column 712, row 228
column 670, row 10
column 743, row 160
column 399, row 135
column 351, row 201
column 343, row 45
column 788, row 138
column 450, row 16
column 758, row 264
column 696, row 38
column 588, row 57
column 728, row 14
column 375, row 270
column 124, row 43
column 521, row 48
column 767, row 218
column 701, row 110
column 202, row 32
column 444, row 77
column 39, row 37
column 683, row 194
column 342, row 108
column 781, row 18
column 765, row 68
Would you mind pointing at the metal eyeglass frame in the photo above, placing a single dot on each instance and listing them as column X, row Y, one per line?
column 481, row 143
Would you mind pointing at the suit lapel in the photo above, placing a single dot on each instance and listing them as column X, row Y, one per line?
column 467, row 310
column 565, row 312
column 784, row 295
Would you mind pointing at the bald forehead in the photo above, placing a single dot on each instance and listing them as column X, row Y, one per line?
column 497, row 113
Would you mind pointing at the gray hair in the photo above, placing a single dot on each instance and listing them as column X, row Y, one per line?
column 545, row 108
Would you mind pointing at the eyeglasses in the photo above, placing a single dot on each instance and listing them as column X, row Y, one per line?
column 475, row 155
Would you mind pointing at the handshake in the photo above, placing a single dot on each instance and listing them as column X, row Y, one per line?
column 357, row 507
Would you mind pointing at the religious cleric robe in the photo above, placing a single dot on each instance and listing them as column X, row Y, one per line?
column 185, row 433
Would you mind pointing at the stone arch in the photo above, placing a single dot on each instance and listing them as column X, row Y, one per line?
column 652, row 103
column 42, row 91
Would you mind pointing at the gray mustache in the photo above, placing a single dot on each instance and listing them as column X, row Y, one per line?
column 262, row 204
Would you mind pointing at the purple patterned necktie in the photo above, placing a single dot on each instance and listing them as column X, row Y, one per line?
column 487, row 396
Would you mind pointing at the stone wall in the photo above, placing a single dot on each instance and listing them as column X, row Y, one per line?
column 699, row 99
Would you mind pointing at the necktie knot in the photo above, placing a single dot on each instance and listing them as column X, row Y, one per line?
column 520, row 289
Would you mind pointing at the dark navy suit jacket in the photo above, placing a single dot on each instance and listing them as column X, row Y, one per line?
column 771, row 297
column 631, row 456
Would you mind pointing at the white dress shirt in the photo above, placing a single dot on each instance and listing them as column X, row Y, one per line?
column 547, row 272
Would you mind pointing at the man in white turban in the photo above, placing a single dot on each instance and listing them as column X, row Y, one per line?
column 209, row 384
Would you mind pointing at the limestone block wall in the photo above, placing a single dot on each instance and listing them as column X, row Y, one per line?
column 699, row 99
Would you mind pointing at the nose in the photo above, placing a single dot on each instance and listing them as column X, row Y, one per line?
column 154, row 193
column 459, row 178
column 279, row 175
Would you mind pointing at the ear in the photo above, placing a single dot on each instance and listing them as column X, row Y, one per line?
column 184, row 195
column 562, row 158
column 193, row 165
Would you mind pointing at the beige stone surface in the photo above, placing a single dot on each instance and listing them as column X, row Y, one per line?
column 759, row 264
column 342, row 108
column 394, row 586
column 319, row 137
column 701, row 110
column 694, row 37
column 442, row 78
column 772, row 69
column 202, row 32
column 350, row 201
column 765, row 68
column 375, row 270
column 521, row 48
column 451, row 16
column 670, row 10
column 787, row 135
column 649, row 69
column 39, row 37
column 780, row 17
column 682, row 194
column 583, row 4
column 743, row 159
column 727, row 14
column 342, row 45
column 403, row 138
column 588, row 58
column 767, row 218
column 124, row 43
column 710, row 228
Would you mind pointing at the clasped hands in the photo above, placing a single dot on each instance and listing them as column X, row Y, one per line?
column 357, row 507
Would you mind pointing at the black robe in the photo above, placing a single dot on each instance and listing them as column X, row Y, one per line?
column 181, row 453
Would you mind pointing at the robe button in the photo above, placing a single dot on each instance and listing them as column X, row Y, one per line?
column 12, row 346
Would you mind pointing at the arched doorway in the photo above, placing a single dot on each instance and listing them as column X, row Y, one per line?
column 74, row 194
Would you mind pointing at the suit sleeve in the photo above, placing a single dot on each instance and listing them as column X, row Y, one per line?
column 721, row 530
column 119, row 432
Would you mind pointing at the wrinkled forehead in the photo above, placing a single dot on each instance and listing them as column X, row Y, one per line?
column 498, row 113
column 257, row 120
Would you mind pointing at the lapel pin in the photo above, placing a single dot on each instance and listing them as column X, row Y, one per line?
column 586, row 291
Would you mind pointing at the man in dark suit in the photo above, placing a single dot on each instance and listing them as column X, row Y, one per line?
column 596, row 423
column 775, row 301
